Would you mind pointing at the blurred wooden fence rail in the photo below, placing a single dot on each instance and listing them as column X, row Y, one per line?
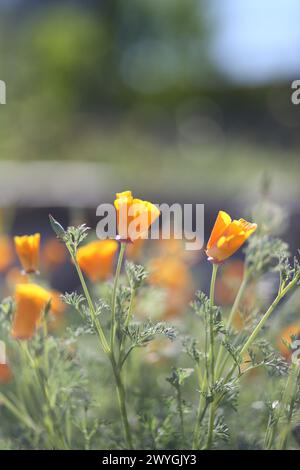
column 55, row 183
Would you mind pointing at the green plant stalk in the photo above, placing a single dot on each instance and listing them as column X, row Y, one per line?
column 212, row 359
column 105, row 346
column 95, row 320
column 202, row 407
column 272, row 307
column 122, row 358
column 269, row 435
column 122, row 403
column 179, row 405
column 259, row 326
column 238, row 298
column 211, row 323
column 24, row 418
column 114, row 297
column 288, row 401
column 56, row 440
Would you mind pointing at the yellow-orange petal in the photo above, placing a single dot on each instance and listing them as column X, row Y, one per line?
column 5, row 374
column 222, row 222
column 31, row 300
column 7, row 255
column 96, row 259
column 286, row 335
column 54, row 253
column 27, row 248
column 230, row 238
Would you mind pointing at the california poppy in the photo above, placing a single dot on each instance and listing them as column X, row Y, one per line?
column 134, row 216
column 5, row 374
column 31, row 300
column 289, row 332
column 54, row 253
column 227, row 237
column 6, row 252
column 27, row 247
column 96, row 259
column 172, row 275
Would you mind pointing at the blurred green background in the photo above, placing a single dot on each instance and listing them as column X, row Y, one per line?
column 186, row 101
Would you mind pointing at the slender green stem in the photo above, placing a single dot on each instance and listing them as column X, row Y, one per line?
column 233, row 311
column 287, row 404
column 122, row 358
column 211, row 323
column 262, row 322
column 237, row 300
column 108, row 351
column 179, row 404
column 122, row 403
column 24, row 418
column 92, row 310
column 260, row 325
column 203, row 404
column 114, row 298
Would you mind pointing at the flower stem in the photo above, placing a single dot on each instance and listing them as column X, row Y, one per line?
column 234, row 308
column 211, row 323
column 212, row 359
column 288, row 403
column 114, row 298
column 92, row 310
column 108, row 351
column 122, row 403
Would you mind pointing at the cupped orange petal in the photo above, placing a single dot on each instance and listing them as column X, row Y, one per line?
column 134, row 216
column 7, row 255
column 286, row 335
column 54, row 253
column 5, row 374
column 222, row 222
column 96, row 259
column 31, row 300
column 27, row 248
column 227, row 237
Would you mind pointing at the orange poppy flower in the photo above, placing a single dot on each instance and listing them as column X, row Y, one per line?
column 286, row 334
column 174, row 276
column 96, row 259
column 177, row 248
column 7, row 255
column 27, row 247
column 134, row 216
column 54, row 253
column 31, row 300
column 227, row 237
column 5, row 374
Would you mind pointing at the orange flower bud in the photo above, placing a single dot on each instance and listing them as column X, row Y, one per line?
column 96, row 259
column 134, row 216
column 54, row 253
column 5, row 374
column 175, row 278
column 287, row 334
column 6, row 252
column 227, row 237
column 31, row 300
column 27, row 247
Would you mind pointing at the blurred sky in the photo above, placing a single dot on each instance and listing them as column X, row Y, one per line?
column 257, row 40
